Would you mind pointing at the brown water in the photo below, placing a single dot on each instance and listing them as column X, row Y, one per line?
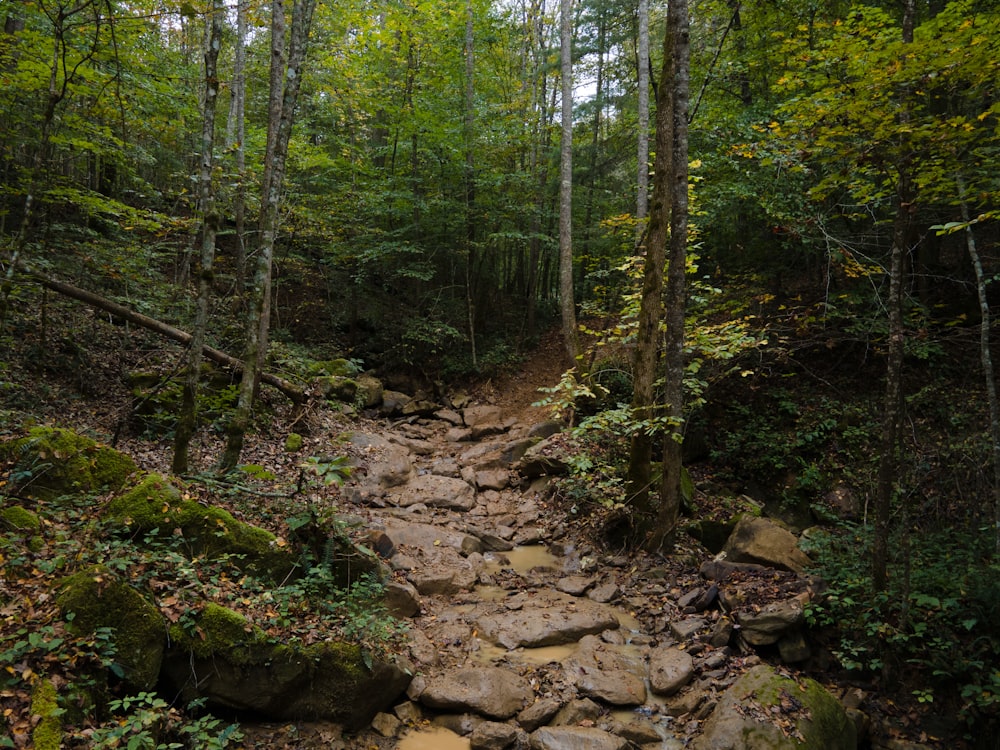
column 433, row 738
column 523, row 559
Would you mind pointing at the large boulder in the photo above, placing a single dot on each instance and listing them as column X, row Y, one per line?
column 51, row 461
column 761, row 541
column 154, row 504
column 764, row 710
column 97, row 598
column 230, row 664
column 489, row 691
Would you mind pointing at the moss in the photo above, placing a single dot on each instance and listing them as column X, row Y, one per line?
column 155, row 503
column 16, row 518
column 99, row 599
column 293, row 443
column 47, row 734
column 338, row 388
column 220, row 631
column 54, row 462
column 826, row 723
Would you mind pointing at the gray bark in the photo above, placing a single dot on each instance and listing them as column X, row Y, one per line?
column 567, row 304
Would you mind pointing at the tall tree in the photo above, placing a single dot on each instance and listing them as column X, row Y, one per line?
column 567, row 302
column 677, row 49
column 642, row 140
column 209, row 221
column 285, row 84
column 902, row 234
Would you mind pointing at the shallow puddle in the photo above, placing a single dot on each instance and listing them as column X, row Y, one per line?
column 489, row 653
column 433, row 738
column 522, row 559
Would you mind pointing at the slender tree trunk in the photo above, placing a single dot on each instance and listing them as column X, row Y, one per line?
column 470, row 180
column 888, row 470
column 188, row 417
column 240, row 99
column 986, row 358
column 642, row 155
column 566, row 300
column 678, row 46
column 285, row 85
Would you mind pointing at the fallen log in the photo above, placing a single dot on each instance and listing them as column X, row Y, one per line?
column 292, row 391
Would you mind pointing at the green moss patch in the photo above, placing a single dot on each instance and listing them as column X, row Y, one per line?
column 47, row 734
column 99, row 599
column 18, row 519
column 51, row 461
column 156, row 504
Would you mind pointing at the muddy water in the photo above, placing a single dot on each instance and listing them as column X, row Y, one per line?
column 433, row 738
column 523, row 559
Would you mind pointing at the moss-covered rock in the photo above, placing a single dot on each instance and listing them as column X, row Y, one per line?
column 155, row 503
column 18, row 519
column 293, row 443
column 337, row 388
column 233, row 665
column 370, row 391
column 47, row 734
column 99, row 599
column 51, row 461
column 764, row 710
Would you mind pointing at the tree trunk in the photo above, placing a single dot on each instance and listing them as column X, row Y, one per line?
column 293, row 392
column 567, row 304
column 470, row 181
column 642, row 174
column 888, row 469
column 285, row 85
column 188, row 418
column 986, row 358
column 679, row 49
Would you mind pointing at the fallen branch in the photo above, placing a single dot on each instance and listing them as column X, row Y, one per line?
column 292, row 391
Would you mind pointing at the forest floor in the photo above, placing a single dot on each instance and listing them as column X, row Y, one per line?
column 57, row 380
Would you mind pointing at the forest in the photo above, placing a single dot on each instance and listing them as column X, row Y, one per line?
column 757, row 238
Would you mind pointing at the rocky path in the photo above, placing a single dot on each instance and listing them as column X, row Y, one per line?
column 523, row 634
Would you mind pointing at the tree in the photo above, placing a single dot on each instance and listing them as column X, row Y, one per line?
column 284, row 90
column 642, row 138
column 209, row 220
column 567, row 303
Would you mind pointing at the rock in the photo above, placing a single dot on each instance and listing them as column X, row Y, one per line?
column 99, row 599
column 575, row 738
column 543, row 459
column 538, row 713
column 337, row 388
column 19, row 520
column 574, row 585
column 370, row 391
column 492, row 735
column 50, row 462
column 293, row 442
column 237, row 667
column 388, row 465
column 793, row 647
column 438, row 492
column 670, row 669
column 771, row 622
column 408, row 712
column 545, row 429
column 759, row 540
column 425, row 536
column 490, row 691
column 476, row 416
column 686, row 629
column 155, row 504
column 386, row 725
column 548, row 620
column 450, row 416
column 578, row 711
column 604, row 593
column 604, row 672
column 492, row 479
column 766, row 711
column 401, row 599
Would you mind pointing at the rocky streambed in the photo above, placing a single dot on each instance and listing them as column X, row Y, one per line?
column 523, row 634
